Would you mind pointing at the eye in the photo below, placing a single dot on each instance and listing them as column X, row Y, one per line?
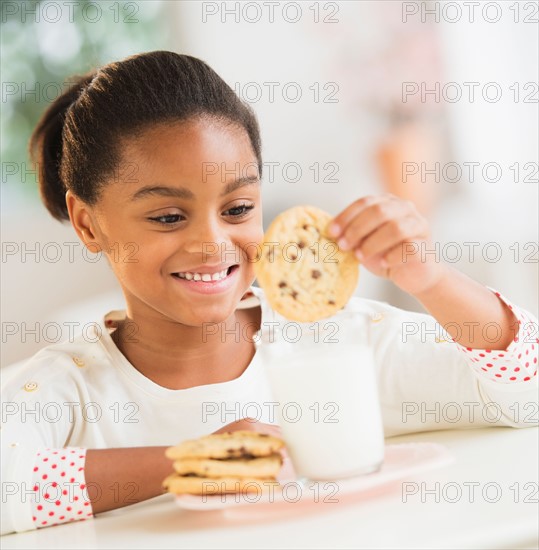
column 167, row 219
column 239, row 211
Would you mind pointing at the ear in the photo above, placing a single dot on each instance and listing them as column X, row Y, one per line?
column 83, row 221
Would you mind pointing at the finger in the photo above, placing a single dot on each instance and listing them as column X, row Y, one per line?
column 243, row 424
column 388, row 236
column 260, row 427
column 406, row 252
column 376, row 266
column 342, row 220
column 370, row 219
column 269, row 429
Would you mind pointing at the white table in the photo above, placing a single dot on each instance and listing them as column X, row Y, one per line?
column 501, row 457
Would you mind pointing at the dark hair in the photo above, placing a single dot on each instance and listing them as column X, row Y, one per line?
column 77, row 142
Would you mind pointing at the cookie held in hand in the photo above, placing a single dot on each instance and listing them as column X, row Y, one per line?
column 302, row 270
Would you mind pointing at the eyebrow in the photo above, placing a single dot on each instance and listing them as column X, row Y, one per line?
column 183, row 193
column 240, row 182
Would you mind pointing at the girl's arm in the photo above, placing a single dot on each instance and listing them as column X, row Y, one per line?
column 392, row 240
column 47, row 484
column 486, row 376
column 473, row 315
column 119, row 477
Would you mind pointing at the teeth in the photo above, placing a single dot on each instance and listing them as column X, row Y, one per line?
column 205, row 277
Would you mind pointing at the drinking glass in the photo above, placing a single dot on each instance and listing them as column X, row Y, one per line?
column 323, row 377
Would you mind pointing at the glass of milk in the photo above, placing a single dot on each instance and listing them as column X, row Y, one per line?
column 322, row 376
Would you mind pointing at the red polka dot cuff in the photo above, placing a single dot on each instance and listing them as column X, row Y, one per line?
column 59, row 487
column 517, row 363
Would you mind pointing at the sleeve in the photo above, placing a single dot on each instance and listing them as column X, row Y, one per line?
column 517, row 363
column 59, row 487
column 426, row 382
column 37, row 420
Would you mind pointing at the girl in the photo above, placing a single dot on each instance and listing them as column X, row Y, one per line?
column 124, row 155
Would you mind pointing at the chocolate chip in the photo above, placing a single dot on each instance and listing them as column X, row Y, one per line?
column 293, row 256
column 282, row 284
column 315, row 274
column 301, row 244
column 294, row 294
column 305, row 227
column 331, row 302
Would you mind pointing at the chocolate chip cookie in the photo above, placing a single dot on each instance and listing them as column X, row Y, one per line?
column 305, row 275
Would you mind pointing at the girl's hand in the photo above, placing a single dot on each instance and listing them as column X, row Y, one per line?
column 391, row 239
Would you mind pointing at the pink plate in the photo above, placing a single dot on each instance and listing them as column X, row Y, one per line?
column 401, row 460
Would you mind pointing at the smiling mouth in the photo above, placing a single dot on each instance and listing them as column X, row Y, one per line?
column 205, row 277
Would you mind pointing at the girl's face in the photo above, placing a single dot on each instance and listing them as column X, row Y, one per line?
column 185, row 206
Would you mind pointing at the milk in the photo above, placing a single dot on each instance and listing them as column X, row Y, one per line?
column 328, row 405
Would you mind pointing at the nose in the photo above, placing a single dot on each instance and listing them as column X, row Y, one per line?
column 208, row 240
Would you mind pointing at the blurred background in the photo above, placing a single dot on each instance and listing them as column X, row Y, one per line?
column 427, row 100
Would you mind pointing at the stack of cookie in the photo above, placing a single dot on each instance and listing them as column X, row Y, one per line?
column 230, row 462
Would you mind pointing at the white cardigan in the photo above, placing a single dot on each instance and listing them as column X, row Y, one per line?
column 84, row 393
